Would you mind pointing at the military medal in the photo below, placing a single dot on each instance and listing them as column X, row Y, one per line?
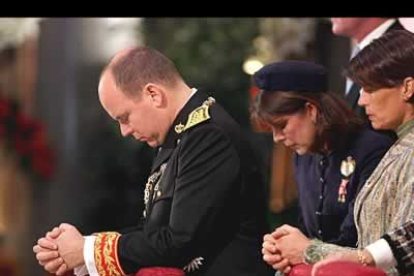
column 342, row 190
column 153, row 179
column 347, row 169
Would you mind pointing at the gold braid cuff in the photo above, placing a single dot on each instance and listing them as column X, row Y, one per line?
column 106, row 254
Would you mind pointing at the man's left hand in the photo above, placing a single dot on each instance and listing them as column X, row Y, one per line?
column 70, row 246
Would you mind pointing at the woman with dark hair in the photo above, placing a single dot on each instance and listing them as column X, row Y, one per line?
column 384, row 208
column 334, row 157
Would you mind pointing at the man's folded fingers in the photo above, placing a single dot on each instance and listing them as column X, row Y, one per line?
column 47, row 256
column 54, row 265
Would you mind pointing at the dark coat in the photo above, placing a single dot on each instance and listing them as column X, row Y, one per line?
column 206, row 200
column 321, row 214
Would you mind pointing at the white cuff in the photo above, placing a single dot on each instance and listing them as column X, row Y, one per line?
column 382, row 254
column 89, row 255
column 81, row 270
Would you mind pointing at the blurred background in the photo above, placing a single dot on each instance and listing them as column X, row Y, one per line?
column 62, row 159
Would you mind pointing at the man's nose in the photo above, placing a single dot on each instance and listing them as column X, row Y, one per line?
column 125, row 130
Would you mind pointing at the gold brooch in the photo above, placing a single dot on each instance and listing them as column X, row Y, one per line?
column 348, row 167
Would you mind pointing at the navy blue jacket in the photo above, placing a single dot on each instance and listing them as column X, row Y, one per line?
column 321, row 214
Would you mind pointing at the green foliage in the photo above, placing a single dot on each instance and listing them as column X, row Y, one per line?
column 209, row 53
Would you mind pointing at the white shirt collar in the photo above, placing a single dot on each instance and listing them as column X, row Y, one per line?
column 376, row 33
column 193, row 91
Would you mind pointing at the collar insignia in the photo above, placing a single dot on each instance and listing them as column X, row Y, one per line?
column 198, row 115
column 179, row 128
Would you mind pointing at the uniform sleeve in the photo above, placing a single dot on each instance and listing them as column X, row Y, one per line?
column 208, row 167
column 105, row 256
column 348, row 234
column 133, row 228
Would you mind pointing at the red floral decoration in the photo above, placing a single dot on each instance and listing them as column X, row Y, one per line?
column 27, row 137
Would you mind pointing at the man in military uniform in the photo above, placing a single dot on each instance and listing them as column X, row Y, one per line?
column 205, row 205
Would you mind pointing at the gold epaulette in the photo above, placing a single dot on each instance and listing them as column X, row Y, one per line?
column 198, row 115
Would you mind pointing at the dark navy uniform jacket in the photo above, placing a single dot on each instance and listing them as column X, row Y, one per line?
column 321, row 214
column 206, row 211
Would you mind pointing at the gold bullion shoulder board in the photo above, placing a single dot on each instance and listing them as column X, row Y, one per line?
column 198, row 115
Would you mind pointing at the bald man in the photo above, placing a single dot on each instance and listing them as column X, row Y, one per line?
column 204, row 200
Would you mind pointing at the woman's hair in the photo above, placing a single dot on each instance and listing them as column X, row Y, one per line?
column 385, row 62
column 335, row 120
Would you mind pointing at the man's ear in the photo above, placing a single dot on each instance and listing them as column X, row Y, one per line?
column 155, row 94
column 408, row 89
